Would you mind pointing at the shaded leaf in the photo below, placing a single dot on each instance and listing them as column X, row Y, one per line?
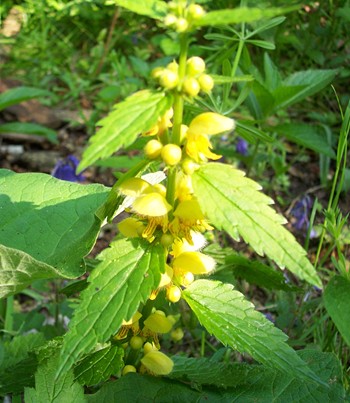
column 257, row 273
column 307, row 136
column 225, row 313
column 233, row 203
column 337, row 301
column 306, row 83
column 138, row 113
column 47, row 389
column 29, row 128
column 255, row 383
column 20, row 94
column 54, row 221
column 128, row 272
column 99, row 366
column 18, row 270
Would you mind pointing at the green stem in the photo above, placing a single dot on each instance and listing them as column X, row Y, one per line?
column 8, row 326
column 178, row 107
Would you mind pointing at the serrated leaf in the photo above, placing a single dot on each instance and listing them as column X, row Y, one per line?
column 99, row 366
column 143, row 388
column 17, row 364
column 225, row 313
column 307, row 136
column 337, row 302
column 54, row 221
column 233, row 203
column 18, row 270
column 48, row 389
column 306, row 83
column 239, row 15
column 138, row 113
column 20, row 94
column 257, row 273
column 256, row 383
column 151, row 8
column 29, row 128
column 128, row 272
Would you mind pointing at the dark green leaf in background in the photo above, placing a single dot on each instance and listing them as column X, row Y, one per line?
column 337, row 301
column 99, row 366
column 226, row 314
column 20, row 94
column 128, row 272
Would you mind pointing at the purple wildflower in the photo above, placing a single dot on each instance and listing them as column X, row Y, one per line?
column 242, row 146
column 301, row 212
column 66, row 170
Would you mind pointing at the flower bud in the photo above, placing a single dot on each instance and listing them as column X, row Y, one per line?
column 195, row 11
column 153, row 148
column 158, row 363
column 206, row 82
column 177, row 334
column 191, row 86
column 157, row 72
column 173, row 66
column 169, row 79
column 171, row 154
column 181, row 25
column 136, row 342
column 195, row 66
column 187, row 279
column 148, row 347
column 127, row 369
column 170, row 20
column 189, row 166
column 173, row 294
column 166, row 240
column 158, row 323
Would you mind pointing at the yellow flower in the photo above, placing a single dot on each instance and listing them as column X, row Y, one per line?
column 149, row 203
column 198, row 145
column 194, row 262
column 184, row 189
column 182, row 245
column 131, row 228
column 163, row 123
column 157, row 363
column 188, row 216
column 132, row 324
column 210, row 123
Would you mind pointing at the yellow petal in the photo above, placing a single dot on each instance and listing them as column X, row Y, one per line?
column 158, row 323
column 158, row 363
column 211, row 123
column 195, row 262
column 133, row 187
column 130, row 227
column 189, row 210
column 152, row 205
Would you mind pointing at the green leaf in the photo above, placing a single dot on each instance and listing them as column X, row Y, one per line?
column 233, row 203
column 52, row 220
column 231, row 319
column 48, row 389
column 248, row 383
column 138, row 113
column 17, row 364
column 128, row 272
column 337, row 302
column 151, row 8
column 18, row 270
column 307, row 136
column 99, row 366
column 143, row 388
column 262, row 44
column 20, row 94
column 239, row 15
column 306, row 83
column 257, row 273
column 29, row 128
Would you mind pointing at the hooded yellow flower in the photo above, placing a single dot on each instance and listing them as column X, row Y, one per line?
column 198, row 145
column 194, row 262
column 163, row 123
